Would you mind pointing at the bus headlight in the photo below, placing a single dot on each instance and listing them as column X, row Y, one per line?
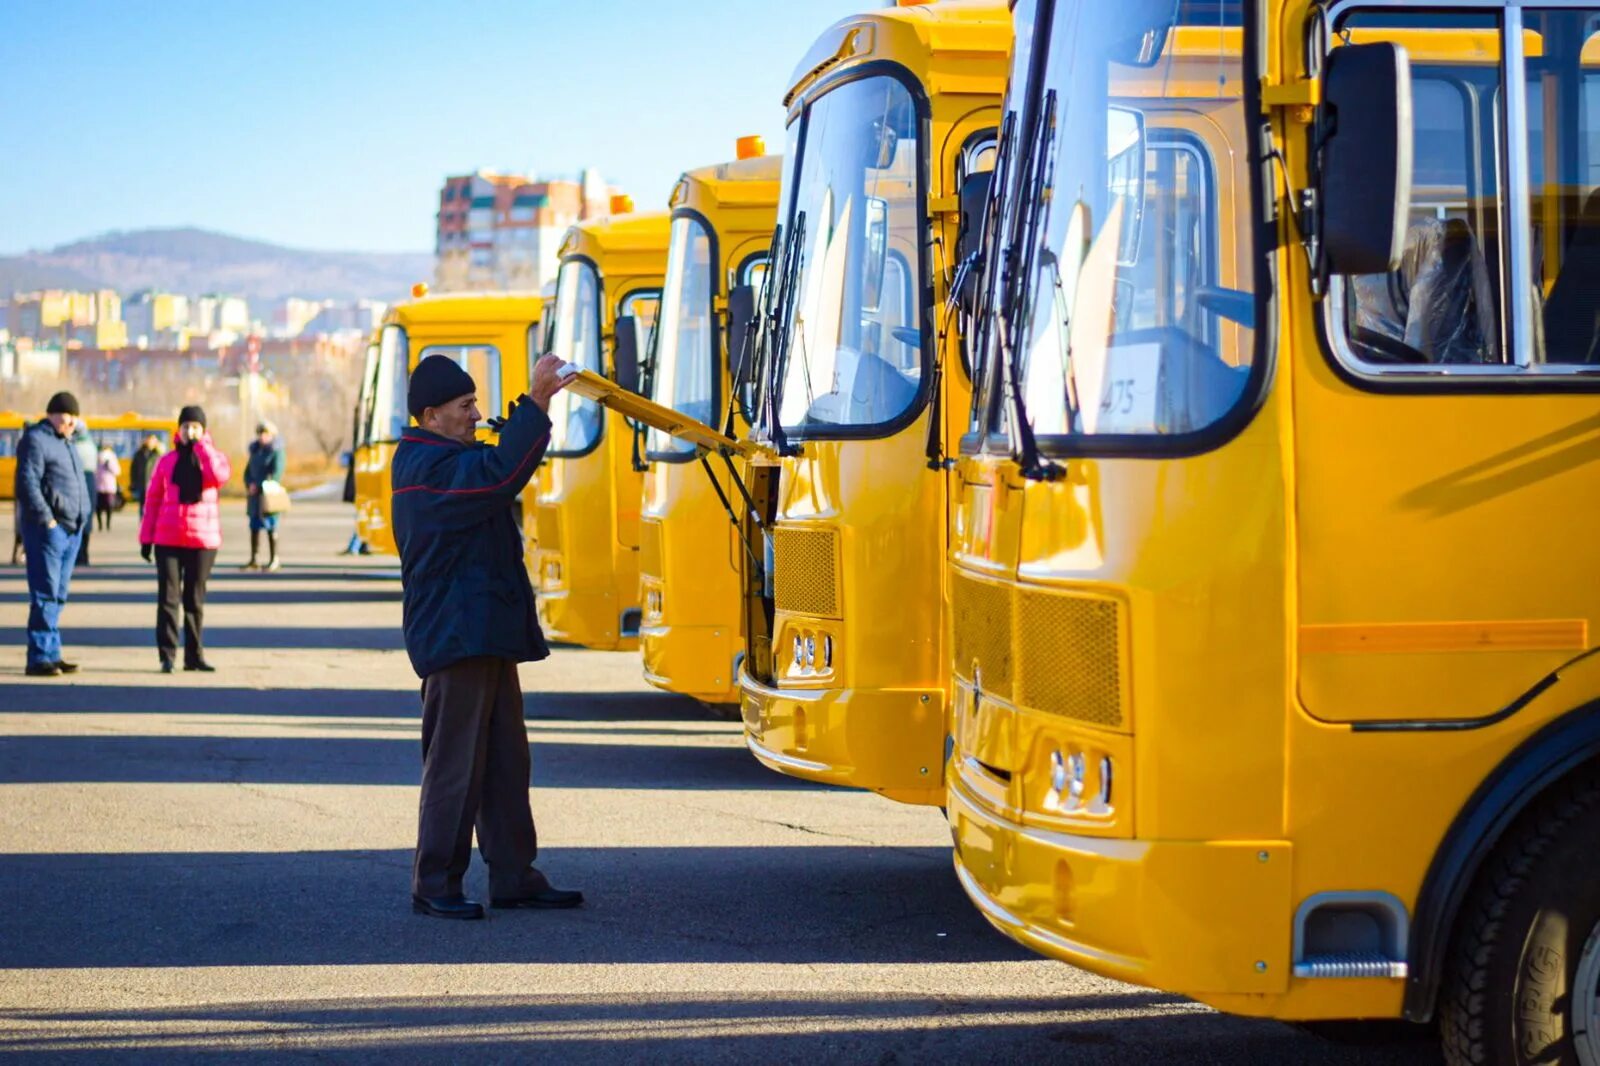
column 811, row 652
column 799, row 651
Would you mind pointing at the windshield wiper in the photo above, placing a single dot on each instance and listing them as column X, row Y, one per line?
column 1017, row 283
column 647, row 389
column 747, row 348
column 776, row 332
column 974, row 315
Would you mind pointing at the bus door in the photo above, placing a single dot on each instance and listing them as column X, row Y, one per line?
column 1445, row 446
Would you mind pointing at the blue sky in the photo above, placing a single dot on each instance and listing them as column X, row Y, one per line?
column 329, row 124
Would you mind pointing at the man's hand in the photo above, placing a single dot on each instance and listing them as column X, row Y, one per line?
column 146, row 551
column 547, row 380
column 497, row 424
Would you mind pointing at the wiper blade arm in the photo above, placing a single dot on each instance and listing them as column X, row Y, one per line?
column 1018, row 283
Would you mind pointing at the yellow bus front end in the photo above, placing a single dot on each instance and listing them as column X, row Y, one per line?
column 493, row 336
column 691, row 554
column 584, row 557
column 1272, row 657
column 861, row 383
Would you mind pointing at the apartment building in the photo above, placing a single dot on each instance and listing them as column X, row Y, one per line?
column 501, row 231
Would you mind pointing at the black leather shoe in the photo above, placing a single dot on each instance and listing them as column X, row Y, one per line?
column 201, row 666
column 547, row 899
column 44, row 670
column 166, row 666
column 456, row 906
column 66, row 667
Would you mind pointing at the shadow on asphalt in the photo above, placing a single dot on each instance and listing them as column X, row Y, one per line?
column 724, row 1027
column 230, row 572
column 385, row 760
column 228, row 594
column 757, row 903
column 70, row 697
column 342, row 638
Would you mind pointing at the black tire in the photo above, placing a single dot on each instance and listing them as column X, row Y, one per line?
column 727, row 712
column 1509, row 985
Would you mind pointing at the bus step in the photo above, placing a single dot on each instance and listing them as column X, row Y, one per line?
column 1350, row 964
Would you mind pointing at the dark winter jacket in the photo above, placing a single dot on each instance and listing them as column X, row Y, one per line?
column 51, row 484
column 466, row 588
column 143, row 469
column 265, row 464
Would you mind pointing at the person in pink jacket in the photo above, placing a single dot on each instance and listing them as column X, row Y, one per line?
column 181, row 524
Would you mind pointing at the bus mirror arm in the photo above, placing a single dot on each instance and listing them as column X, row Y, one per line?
column 1361, row 149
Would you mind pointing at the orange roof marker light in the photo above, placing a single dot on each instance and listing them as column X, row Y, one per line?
column 419, row 290
column 749, row 147
column 621, row 203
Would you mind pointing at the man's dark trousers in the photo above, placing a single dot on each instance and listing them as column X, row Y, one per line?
column 475, row 770
column 52, row 553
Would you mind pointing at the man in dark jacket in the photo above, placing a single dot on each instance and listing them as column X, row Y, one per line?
column 469, row 620
column 144, row 468
column 53, row 510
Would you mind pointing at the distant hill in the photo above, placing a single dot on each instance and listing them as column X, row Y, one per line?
column 195, row 261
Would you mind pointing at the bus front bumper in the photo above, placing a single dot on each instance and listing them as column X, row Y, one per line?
column 692, row 661
column 1207, row 919
column 888, row 741
column 588, row 619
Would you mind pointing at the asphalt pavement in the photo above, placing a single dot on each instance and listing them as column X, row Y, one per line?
column 200, row 865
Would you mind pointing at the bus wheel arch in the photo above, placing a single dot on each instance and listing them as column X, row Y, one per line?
column 1565, row 749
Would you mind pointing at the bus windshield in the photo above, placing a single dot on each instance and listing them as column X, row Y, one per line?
column 682, row 375
column 575, row 420
column 389, row 414
column 1124, row 215
column 852, row 329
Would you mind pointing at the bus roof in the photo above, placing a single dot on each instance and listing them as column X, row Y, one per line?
column 957, row 46
column 469, row 307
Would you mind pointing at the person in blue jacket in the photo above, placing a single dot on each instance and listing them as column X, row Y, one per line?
column 53, row 514
column 469, row 620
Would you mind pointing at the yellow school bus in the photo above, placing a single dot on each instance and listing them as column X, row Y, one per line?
column 862, row 384
column 123, row 434
column 691, row 549
column 493, row 335
column 1273, row 599
column 859, row 385
column 584, row 556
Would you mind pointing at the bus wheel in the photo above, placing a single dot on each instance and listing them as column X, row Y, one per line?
column 1523, row 985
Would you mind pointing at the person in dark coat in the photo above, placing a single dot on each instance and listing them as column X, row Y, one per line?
column 88, row 454
column 469, row 620
column 266, row 463
column 143, row 468
column 53, row 511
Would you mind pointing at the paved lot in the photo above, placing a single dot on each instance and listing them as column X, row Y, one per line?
column 196, row 864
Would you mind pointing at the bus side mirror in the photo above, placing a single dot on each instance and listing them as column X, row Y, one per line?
column 625, row 352
column 741, row 313
column 1364, row 129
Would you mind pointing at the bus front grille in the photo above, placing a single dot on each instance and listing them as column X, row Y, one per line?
column 547, row 526
column 982, row 631
column 805, row 571
column 1070, row 658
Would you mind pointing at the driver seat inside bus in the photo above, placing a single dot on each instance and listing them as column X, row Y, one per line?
column 1572, row 315
column 1436, row 308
